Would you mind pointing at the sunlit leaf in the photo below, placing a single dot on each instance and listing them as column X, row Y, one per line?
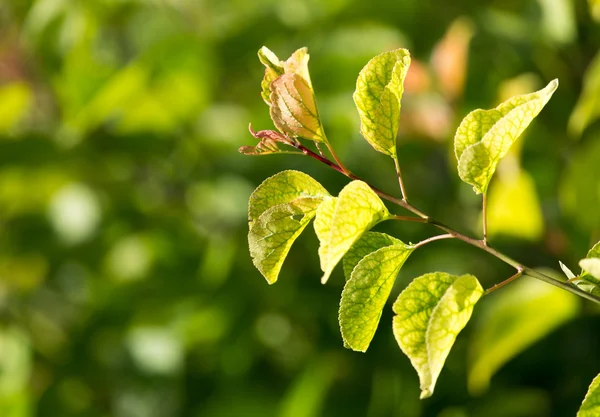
column 512, row 320
column 430, row 313
column 294, row 108
column 272, row 235
column 366, row 293
column 513, row 207
column 378, row 94
column 369, row 242
column 281, row 188
column 295, row 64
column 587, row 109
column 591, row 266
column 341, row 222
column 591, row 403
column 485, row 136
column 592, row 253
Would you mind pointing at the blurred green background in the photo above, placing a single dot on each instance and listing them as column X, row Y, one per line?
column 126, row 287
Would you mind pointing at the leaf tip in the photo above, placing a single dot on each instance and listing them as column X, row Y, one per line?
column 426, row 393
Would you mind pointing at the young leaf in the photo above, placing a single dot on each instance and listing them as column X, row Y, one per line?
column 296, row 64
column 282, row 188
column 485, row 136
column 294, row 108
column 341, row 222
column 378, row 93
column 591, row 403
column 591, row 266
column 510, row 322
column 272, row 235
column 430, row 313
column 366, row 293
column 368, row 243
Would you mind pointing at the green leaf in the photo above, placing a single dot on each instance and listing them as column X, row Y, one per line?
column 430, row 313
column 295, row 64
column 378, row 93
column 512, row 320
column 273, row 234
column 366, row 293
column 368, row 243
column 341, row 222
column 591, row 403
column 587, row 109
column 591, row 267
column 485, row 136
column 294, row 108
column 282, row 188
column 592, row 253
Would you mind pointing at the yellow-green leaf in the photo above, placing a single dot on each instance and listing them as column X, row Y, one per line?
column 592, row 253
column 272, row 235
column 513, row 319
column 591, row 267
column 378, row 93
column 368, row 243
column 485, row 136
column 282, row 188
column 430, row 313
column 591, row 404
column 294, row 108
column 341, row 222
column 587, row 109
column 366, row 293
column 295, row 64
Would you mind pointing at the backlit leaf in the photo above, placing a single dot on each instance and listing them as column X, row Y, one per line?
column 366, row 293
column 295, row 64
column 430, row 313
column 593, row 253
column 294, row 108
column 342, row 221
column 368, row 243
column 485, row 136
column 378, row 93
column 512, row 320
column 592, row 268
column 591, row 404
column 281, row 188
column 272, row 235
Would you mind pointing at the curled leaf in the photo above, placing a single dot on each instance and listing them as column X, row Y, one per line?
column 341, row 222
column 379, row 90
column 367, row 291
column 485, row 136
column 430, row 313
column 295, row 64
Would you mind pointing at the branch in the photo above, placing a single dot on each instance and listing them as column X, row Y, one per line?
column 481, row 244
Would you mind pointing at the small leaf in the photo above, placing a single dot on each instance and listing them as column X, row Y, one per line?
column 282, row 188
column 273, row 234
column 593, row 253
column 294, row 108
column 341, row 222
column 368, row 243
column 431, row 312
column 296, row 64
column 378, row 93
column 366, row 293
column 485, row 136
column 511, row 321
column 592, row 267
column 566, row 270
column 591, row 403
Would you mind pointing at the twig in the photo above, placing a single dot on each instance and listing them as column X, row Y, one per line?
column 503, row 283
column 432, row 239
column 484, row 217
column 400, row 182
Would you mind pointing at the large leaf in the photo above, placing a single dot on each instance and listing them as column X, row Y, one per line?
column 279, row 210
column 591, row 404
column 378, row 93
column 485, row 136
column 294, row 108
column 281, row 188
column 366, row 293
column 368, row 243
column 430, row 313
column 512, row 320
column 341, row 222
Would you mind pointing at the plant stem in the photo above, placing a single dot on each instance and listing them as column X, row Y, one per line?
column 484, row 217
column 503, row 283
column 409, row 219
column 337, row 160
column 481, row 244
column 399, row 174
column 432, row 239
